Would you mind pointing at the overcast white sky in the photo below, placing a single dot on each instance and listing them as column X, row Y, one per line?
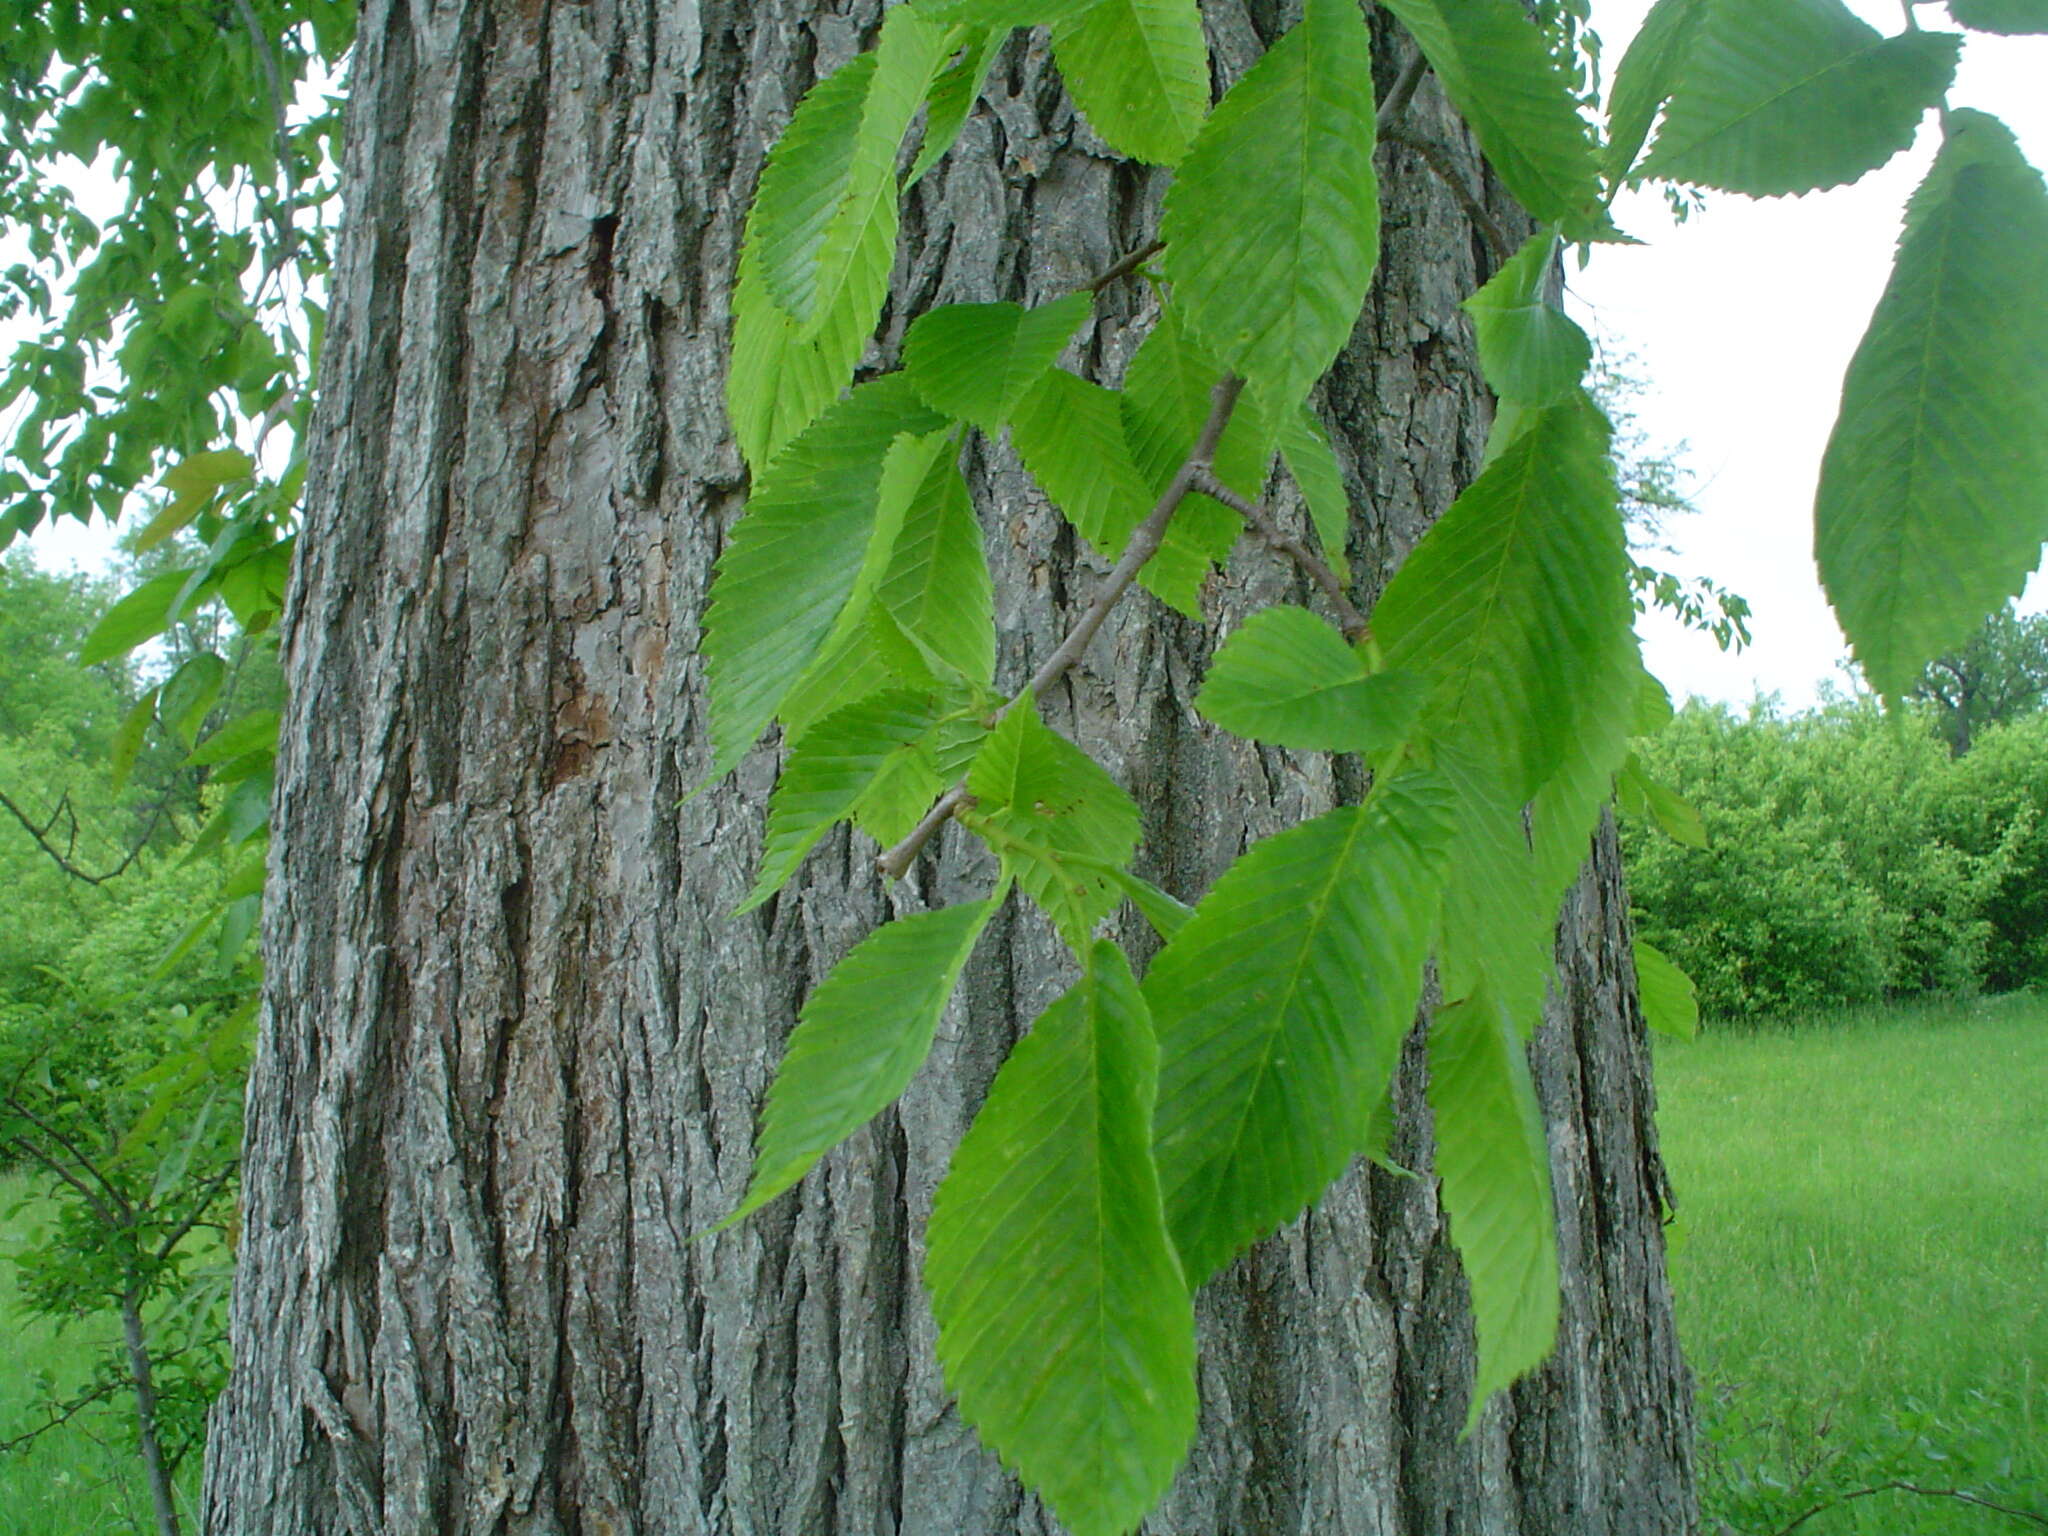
column 1744, row 320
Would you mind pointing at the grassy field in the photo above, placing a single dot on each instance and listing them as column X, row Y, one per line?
column 1862, row 1265
column 83, row 1478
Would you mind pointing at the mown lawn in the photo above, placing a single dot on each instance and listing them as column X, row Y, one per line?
column 81, row 1479
column 1862, row 1265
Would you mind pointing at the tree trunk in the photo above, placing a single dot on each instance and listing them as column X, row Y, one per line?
column 514, row 1044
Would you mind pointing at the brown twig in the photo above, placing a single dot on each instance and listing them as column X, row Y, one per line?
column 1350, row 618
column 1145, row 541
column 1401, row 92
column 1123, row 266
column 1926, row 1493
column 61, row 856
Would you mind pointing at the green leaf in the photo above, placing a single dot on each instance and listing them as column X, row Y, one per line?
column 861, row 1037
column 1167, row 396
column 1517, row 94
column 1514, row 598
column 1281, row 1007
column 1050, row 811
column 128, row 738
column 1530, row 351
column 2007, row 16
column 253, row 732
column 795, row 559
column 1643, row 80
column 779, row 382
column 1779, row 96
column 1313, row 463
column 977, row 361
column 1933, row 501
column 953, row 96
column 1005, row 14
column 1272, row 223
column 828, row 773
column 1674, row 815
column 1493, row 1162
column 142, row 615
column 189, row 693
column 857, row 660
column 805, row 182
column 1139, row 72
column 193, row 483
column 937, row 587
column 903, row 789
column 1070, row 435
column 1065, row 1326
column 1288, row 678
column 1167, row 913
column 1671, row 1004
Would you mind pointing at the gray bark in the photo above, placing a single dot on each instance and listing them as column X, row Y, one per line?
column 513, row 1044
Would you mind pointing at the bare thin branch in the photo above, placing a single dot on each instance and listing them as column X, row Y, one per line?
column 60, row 856
column 895, row 862
column 204, row 1199
column 1956, row 1494
column 1123, row 266
column 1350, row 618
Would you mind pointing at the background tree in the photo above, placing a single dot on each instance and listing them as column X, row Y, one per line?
column 2000, row 674
column 515, row 1042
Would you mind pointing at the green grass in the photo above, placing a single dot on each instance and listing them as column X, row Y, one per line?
column 82, row 1479
column 1862, row 1264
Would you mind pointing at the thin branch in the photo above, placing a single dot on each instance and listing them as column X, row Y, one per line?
column 84, row 1189
column 1123, row 266
column 1438, row 160
column 1350, row 618
column 895, row 862
column 211, row 1188
column 1401, row 92
column 72, row 1410
column 1956, row 1494
column 120, row 1203
column 61, row 856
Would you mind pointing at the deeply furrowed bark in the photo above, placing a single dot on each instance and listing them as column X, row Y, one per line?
column 514, row 1044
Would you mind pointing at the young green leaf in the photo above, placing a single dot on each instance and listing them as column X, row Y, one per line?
column 2007, row 16
column 1070, row 435
column 1281, row 1007
column 1518, row 95
column 861, row 1036
column 193, row 483
column 856, row 662
column 1933, row 501
column 1643, row 80
column 1041, row 802
column 1313, row 464
column 805, row 182
column 1671, row 1003
column 1514, row 599
column 1065, row 1326
column 1272, row 223
column 953, row 96
column 1674, row 815
column 779, row 381
column 253, row 732
column 796, row 558
column 828, row 773
column 142, row 615
column 1530, row 351
column 1288, row 678
column 128, row 737
column 189, row 693
column 977, row 361
column 1779, row 96
column 937, row 587
column 1139, row 72
column 1493, row 1162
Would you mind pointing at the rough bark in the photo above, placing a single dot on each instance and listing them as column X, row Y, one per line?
column 514, row 1044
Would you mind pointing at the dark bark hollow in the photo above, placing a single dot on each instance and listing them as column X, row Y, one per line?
column 514, row 1045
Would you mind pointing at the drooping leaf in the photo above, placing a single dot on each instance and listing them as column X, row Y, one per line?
column 189, row 693
column 142, row 615
column 253, row 732
column 828, row 773
column 1671, row 1004
column 1280, row 1009
column 859, row 1039
column 1519, row 96
column 937, row 587
column 856, row 662
column 1643, row 80
column 1070, row 435
column 1778, row 96
column 128, row 737
column 1065, row 1326
column 1515, row 597
column 1167, row 396
column 1049, row 810
column 796, row 557
column 1530, row 351
column 1272, row 223
column 1673, row 814
column 779, row 382
column 2007, row 16
column 1933, row 501
column 1288, row 678
column 1313, row 463
column 977, row 361
column 1139, row 72
column 1493, row 1162
column 193, row 483
column 805, row 182
column 953, row 96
